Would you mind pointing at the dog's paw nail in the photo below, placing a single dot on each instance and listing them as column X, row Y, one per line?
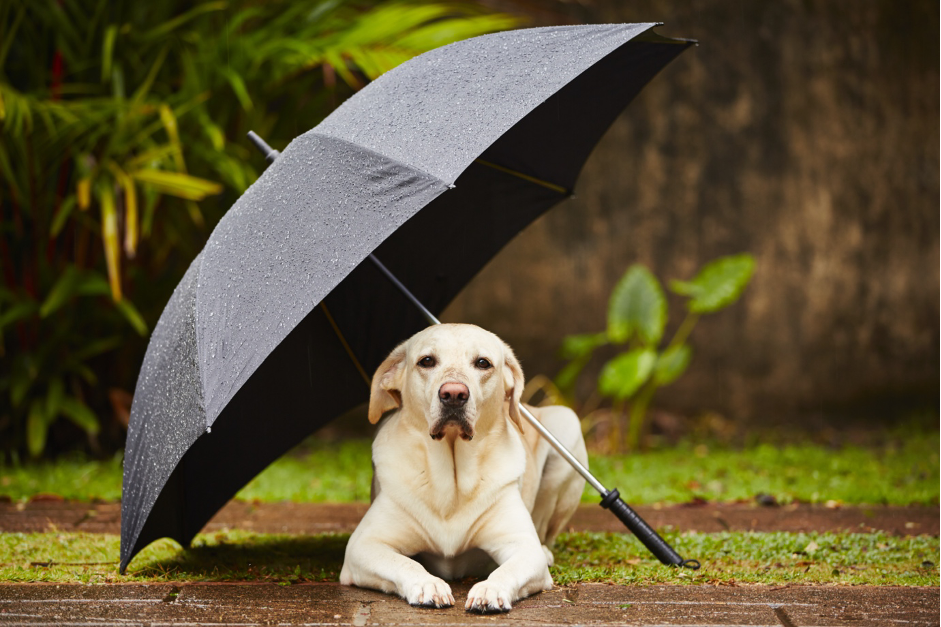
column 487, row 598
column 430, row 593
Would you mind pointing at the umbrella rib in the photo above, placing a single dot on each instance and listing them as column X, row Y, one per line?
column 346, row 346
column 526, row 177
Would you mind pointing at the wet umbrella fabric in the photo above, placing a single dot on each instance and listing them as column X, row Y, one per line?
column 278, row 323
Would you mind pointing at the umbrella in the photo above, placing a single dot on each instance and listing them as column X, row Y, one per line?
column 279, row 320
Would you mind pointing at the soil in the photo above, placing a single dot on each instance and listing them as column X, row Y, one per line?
column 308, row 518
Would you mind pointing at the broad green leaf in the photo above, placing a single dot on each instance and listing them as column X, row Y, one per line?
column 129, row 311
column 79, row 413
column 177, row 184
column 623, row 375
column 637, row 305
column 575, row 346
column 36, row 429
column 718, row 284
column 671, row 364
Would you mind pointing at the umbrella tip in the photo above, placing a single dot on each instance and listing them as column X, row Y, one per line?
column 270, row 153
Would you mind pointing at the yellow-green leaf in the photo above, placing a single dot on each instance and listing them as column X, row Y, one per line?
column 36, row 429
column 83, row 193
column 109, row 237
column 177, row 184
column 107, row 51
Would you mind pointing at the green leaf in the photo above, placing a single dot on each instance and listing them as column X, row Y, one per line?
column 238, row 86
column 107, row 51
column 129, row 311
column 36, row 429
column 623, row 375
column 177, row 184
column 718, row 284
column 54, row 396
column 637, row 305
column 78, row 412
column 95, row 348
column 671, row 364
column 62, row 216
column 17, row 312
column 575, row 346
column 73, row 282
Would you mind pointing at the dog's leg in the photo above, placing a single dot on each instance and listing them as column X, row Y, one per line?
column 513, row 545
column 371, row 561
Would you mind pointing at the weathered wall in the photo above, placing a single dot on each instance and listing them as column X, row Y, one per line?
column 806, row 133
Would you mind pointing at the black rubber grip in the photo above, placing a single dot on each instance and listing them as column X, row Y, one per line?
column 644, row 532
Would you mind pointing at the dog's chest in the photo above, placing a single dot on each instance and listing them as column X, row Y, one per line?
column 448, row 504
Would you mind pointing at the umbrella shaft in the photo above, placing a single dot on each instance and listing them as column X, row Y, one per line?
column 564, row 452
column 427, row 314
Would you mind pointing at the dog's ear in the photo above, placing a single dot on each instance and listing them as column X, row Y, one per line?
column 386, row 390
column 513, row 383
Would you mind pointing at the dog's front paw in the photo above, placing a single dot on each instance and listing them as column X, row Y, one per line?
column 430, row 592
column 487, row 597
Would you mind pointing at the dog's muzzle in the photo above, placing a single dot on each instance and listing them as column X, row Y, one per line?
column 454, row 417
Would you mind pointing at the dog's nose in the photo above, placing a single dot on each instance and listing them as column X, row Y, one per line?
column 453, row 394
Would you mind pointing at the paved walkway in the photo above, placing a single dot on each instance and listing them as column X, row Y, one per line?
column 587, row 604
column 164, row 605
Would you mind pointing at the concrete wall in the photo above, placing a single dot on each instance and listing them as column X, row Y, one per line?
column 805, row 133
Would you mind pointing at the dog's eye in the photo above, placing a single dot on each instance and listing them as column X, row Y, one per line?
column 427, row 362
column 483, row 364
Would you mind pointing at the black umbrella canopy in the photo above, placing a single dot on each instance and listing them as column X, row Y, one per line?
column 278, row 323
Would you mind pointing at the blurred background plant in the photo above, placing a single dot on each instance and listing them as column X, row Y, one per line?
column 122, row 129
column 637, row 318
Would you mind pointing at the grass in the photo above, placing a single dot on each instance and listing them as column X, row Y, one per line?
column 902, row 472
column 729, row 557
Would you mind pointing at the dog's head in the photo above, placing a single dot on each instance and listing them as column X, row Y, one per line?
column 453, row 375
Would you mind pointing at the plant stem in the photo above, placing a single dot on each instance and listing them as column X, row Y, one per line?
column 617, row 411
column 639, row 414
column 685, row 329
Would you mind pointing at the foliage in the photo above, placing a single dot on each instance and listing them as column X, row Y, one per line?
column 903, row 470
column 732, row 557
column 637, row 318
column 122, row 143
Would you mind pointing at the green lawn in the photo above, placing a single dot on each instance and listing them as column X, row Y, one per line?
column 903, row 471
column 764, row 558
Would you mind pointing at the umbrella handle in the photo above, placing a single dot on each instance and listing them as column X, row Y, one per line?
column 644, row 532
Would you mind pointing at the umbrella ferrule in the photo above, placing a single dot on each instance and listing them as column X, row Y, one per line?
column 270, row 153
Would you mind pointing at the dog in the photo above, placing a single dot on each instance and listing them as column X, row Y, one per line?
column 461, row 486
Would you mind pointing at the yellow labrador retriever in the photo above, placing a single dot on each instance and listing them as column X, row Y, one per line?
column 461, row 486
